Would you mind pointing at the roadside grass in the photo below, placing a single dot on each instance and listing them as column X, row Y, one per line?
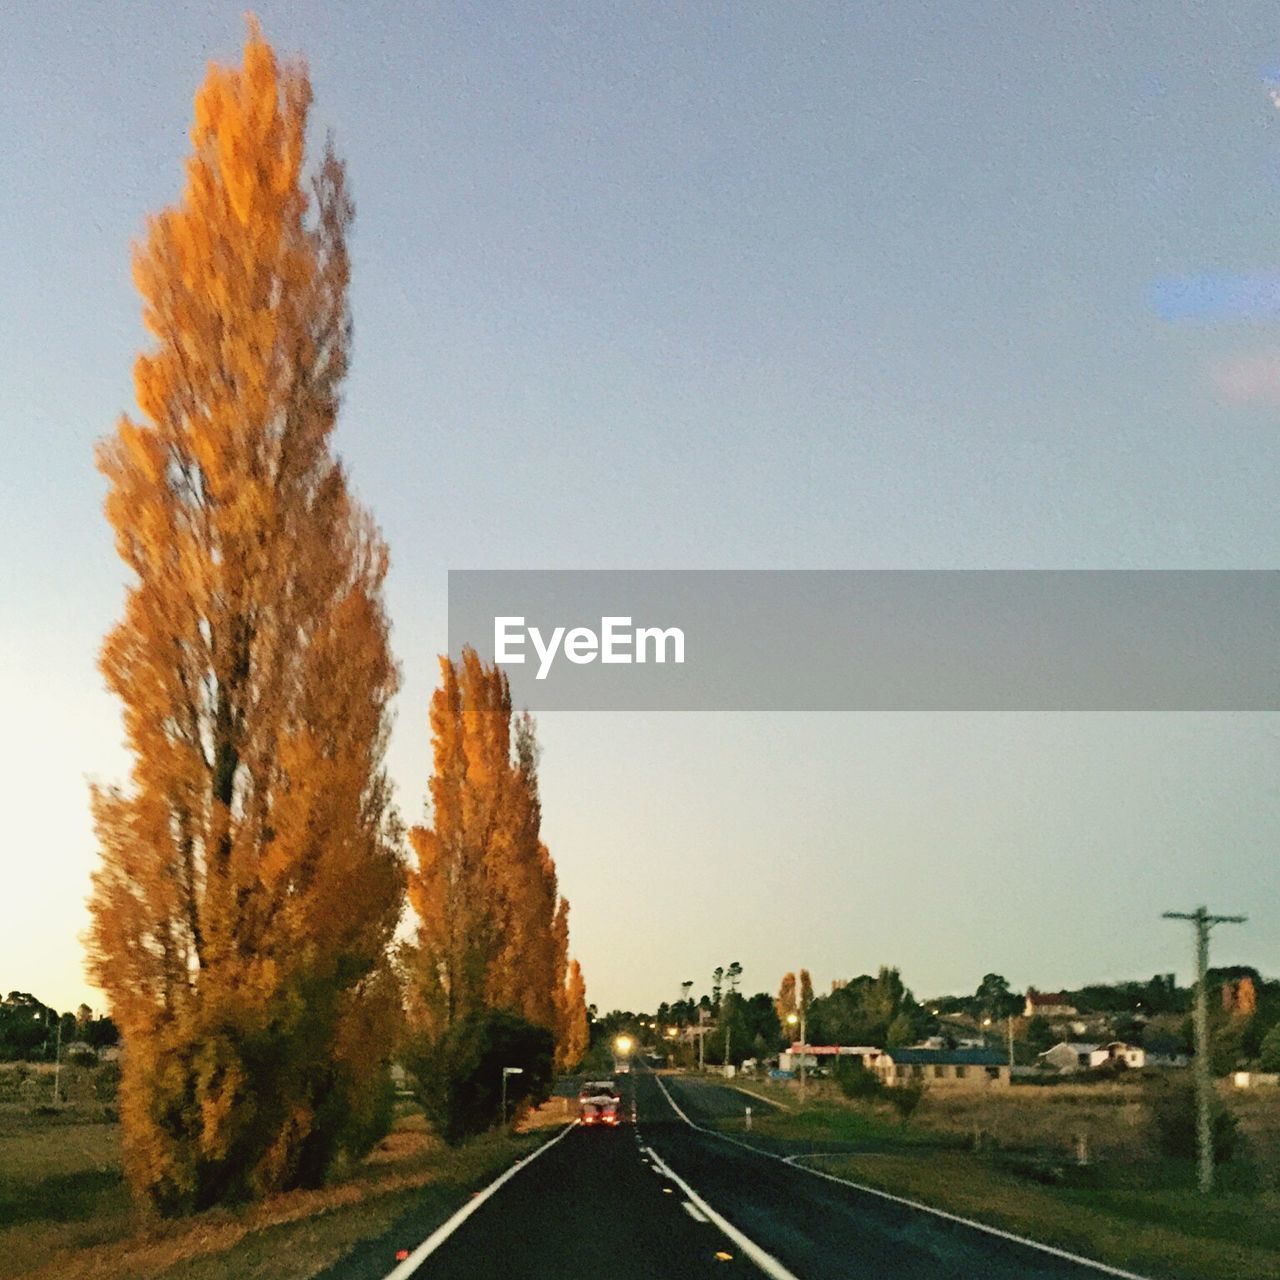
column 826, row 1123
column 1125, row 1216
column 65, row 1212
column 1006, row 1157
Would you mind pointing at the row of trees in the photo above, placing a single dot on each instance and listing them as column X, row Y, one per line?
column 252, row 872
column 879, row 1010
column 31, row 1031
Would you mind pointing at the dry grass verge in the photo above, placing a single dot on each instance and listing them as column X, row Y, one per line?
column 65, row 1213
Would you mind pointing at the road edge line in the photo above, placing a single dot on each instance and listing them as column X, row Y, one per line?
column 765, row 1261
column 1053, row 1250
column 782, row 1106
column 404, row 1269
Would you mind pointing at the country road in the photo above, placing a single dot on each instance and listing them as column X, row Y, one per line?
column 662, row 1199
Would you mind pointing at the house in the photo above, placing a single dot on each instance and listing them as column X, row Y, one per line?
column 1116, row 1052
column 1074, row 1055
column 943, row 1068
column 1047, row 1004
column 1069, row 1056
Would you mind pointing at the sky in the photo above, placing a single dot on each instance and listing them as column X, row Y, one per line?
column 713, row 286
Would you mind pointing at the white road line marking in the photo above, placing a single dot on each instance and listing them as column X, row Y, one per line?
column 693, row 1211
column 782, row 1106
column 913, row 1204
column 406, row 1268
column 765, row 1261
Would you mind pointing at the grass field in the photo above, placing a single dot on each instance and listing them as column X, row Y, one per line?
column 65, row 1212
column 1006, row 1157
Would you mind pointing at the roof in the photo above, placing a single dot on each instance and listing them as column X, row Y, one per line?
column 1049, row 997
column 846, row 1050
column 947, row 1057
column 1076, row 1046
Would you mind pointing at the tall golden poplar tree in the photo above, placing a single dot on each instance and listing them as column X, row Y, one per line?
column 789, row 1001
column 574, row 1032
column 250, row 878
column 492, row 928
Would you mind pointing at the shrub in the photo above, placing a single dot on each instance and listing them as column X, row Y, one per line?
column 1114, row 1070
column 1269, row 1051
column 106, row 1082
column 906, row 1098
column 369, row 1120
column 459, row 1077
column 856, row 1081
column 1173, row 1112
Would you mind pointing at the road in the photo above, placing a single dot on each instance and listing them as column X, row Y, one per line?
column 661, row 1199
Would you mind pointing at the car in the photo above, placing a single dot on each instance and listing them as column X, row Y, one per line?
column 600, row 1103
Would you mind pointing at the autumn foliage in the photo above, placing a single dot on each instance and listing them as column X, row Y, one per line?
column 250, row 878
column 788, row 1003
column 574, row 1032
column 493, row 930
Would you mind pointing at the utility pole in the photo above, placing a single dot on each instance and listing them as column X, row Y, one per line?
column 1203, row 922
column 1009, row 1021
column 57, row 1064
column 804, row 1046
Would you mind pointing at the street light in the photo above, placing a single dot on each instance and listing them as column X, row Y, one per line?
column 508, row 1071
column 623, row 1045
column 792, row 1019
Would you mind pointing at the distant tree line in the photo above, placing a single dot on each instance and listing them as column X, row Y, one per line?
column 29, row 1029
column 879, row 1010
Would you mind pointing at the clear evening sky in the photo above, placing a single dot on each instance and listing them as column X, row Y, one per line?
column 713, row 286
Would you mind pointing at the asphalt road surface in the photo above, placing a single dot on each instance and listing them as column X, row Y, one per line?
column 661, row 1199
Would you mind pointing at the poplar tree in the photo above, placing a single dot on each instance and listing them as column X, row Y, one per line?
column 250, row 876
column 574, row 1032
column 492, row 928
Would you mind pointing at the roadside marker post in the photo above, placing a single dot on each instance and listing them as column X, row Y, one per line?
column 507, row 1072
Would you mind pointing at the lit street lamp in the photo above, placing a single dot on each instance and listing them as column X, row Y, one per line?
column 792, row 1019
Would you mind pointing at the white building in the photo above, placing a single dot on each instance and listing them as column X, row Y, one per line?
column 825, row 1055
column 1073, row 1055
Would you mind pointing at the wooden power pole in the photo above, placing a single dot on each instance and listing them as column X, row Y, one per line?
column 1203, row 922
